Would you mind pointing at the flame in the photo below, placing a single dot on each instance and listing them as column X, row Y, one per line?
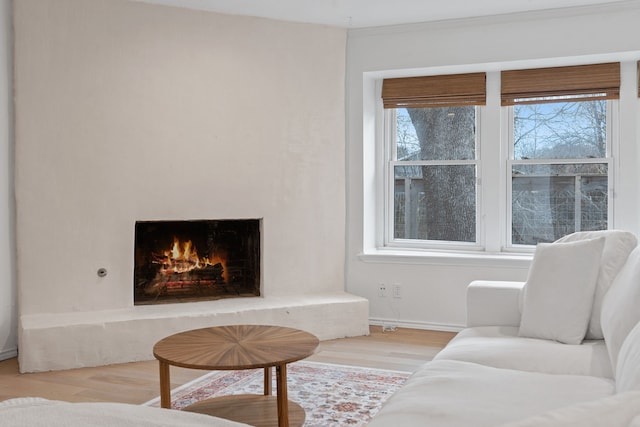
column 183, row 257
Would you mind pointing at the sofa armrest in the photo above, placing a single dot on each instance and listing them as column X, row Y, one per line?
column 493, row 303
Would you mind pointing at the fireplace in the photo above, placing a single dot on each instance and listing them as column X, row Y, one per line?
column 186, row 261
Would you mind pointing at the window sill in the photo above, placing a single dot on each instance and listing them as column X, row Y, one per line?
column 453, row 258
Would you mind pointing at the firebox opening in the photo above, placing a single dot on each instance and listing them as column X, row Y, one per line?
column 186, row 261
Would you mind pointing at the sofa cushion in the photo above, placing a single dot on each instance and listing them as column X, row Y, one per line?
column 617, row 247
column 620, row 311
column 501, row 347
column 628, row 367
column 558, row 295
column 612, row 411
column 449, row 393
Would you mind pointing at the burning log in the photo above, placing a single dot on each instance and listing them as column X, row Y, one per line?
column 164, row 282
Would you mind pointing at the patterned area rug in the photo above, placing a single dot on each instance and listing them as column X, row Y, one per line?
column 331, row 395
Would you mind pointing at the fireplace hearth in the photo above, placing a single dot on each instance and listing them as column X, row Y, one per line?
column 196, row 260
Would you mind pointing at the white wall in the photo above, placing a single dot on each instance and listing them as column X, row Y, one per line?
column 433, row 289
column 8, row 311
column 128, row 111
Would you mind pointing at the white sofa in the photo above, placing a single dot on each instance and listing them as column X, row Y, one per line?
column 512, row 366
column 37, row 412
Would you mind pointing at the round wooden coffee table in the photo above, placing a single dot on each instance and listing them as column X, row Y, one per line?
column 234, row 348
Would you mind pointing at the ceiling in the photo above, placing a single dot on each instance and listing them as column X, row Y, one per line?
column 373, row 13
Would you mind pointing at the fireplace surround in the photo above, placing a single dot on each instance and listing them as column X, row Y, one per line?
column 155, row 122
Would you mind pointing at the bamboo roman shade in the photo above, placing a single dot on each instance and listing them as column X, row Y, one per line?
column 538, row 85
column 435, row 91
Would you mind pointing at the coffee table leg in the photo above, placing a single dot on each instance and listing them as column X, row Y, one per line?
column 267, row 381
column 165, row 386
column 283, row 403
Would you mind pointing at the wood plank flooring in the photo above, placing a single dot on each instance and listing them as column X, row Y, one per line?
column 402, row 349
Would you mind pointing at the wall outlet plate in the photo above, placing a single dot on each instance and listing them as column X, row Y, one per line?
column 382, row 290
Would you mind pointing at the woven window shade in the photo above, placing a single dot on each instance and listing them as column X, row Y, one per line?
column 539, row 85
column 435, row 91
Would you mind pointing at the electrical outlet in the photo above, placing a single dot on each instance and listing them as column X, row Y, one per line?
column 397, row 290
column 382, row 290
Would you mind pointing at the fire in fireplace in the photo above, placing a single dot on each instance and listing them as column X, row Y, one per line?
column 186, row 261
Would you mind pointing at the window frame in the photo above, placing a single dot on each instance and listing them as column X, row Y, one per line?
column 493, row 224
column 508, row 124
column 390, row 161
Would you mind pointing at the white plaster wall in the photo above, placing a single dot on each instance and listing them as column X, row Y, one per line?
column 129, row 111
column 433, row 289
column 8, row 305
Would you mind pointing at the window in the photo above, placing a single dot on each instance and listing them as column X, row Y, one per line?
column 560, row 151
column 432, row 159
column 555, row 157
column 433, row 174
column 559, row 170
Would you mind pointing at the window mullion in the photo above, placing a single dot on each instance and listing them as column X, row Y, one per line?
column 490, row 154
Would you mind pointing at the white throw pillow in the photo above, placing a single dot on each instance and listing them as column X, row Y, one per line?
column 559, row 292
column 612, row 411
column 620, row 311
column 617, row 247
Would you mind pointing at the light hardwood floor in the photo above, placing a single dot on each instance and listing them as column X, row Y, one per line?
column 403, row 350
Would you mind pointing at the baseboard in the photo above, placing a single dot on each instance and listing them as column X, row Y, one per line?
column 415, row 325
column 8, row 354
